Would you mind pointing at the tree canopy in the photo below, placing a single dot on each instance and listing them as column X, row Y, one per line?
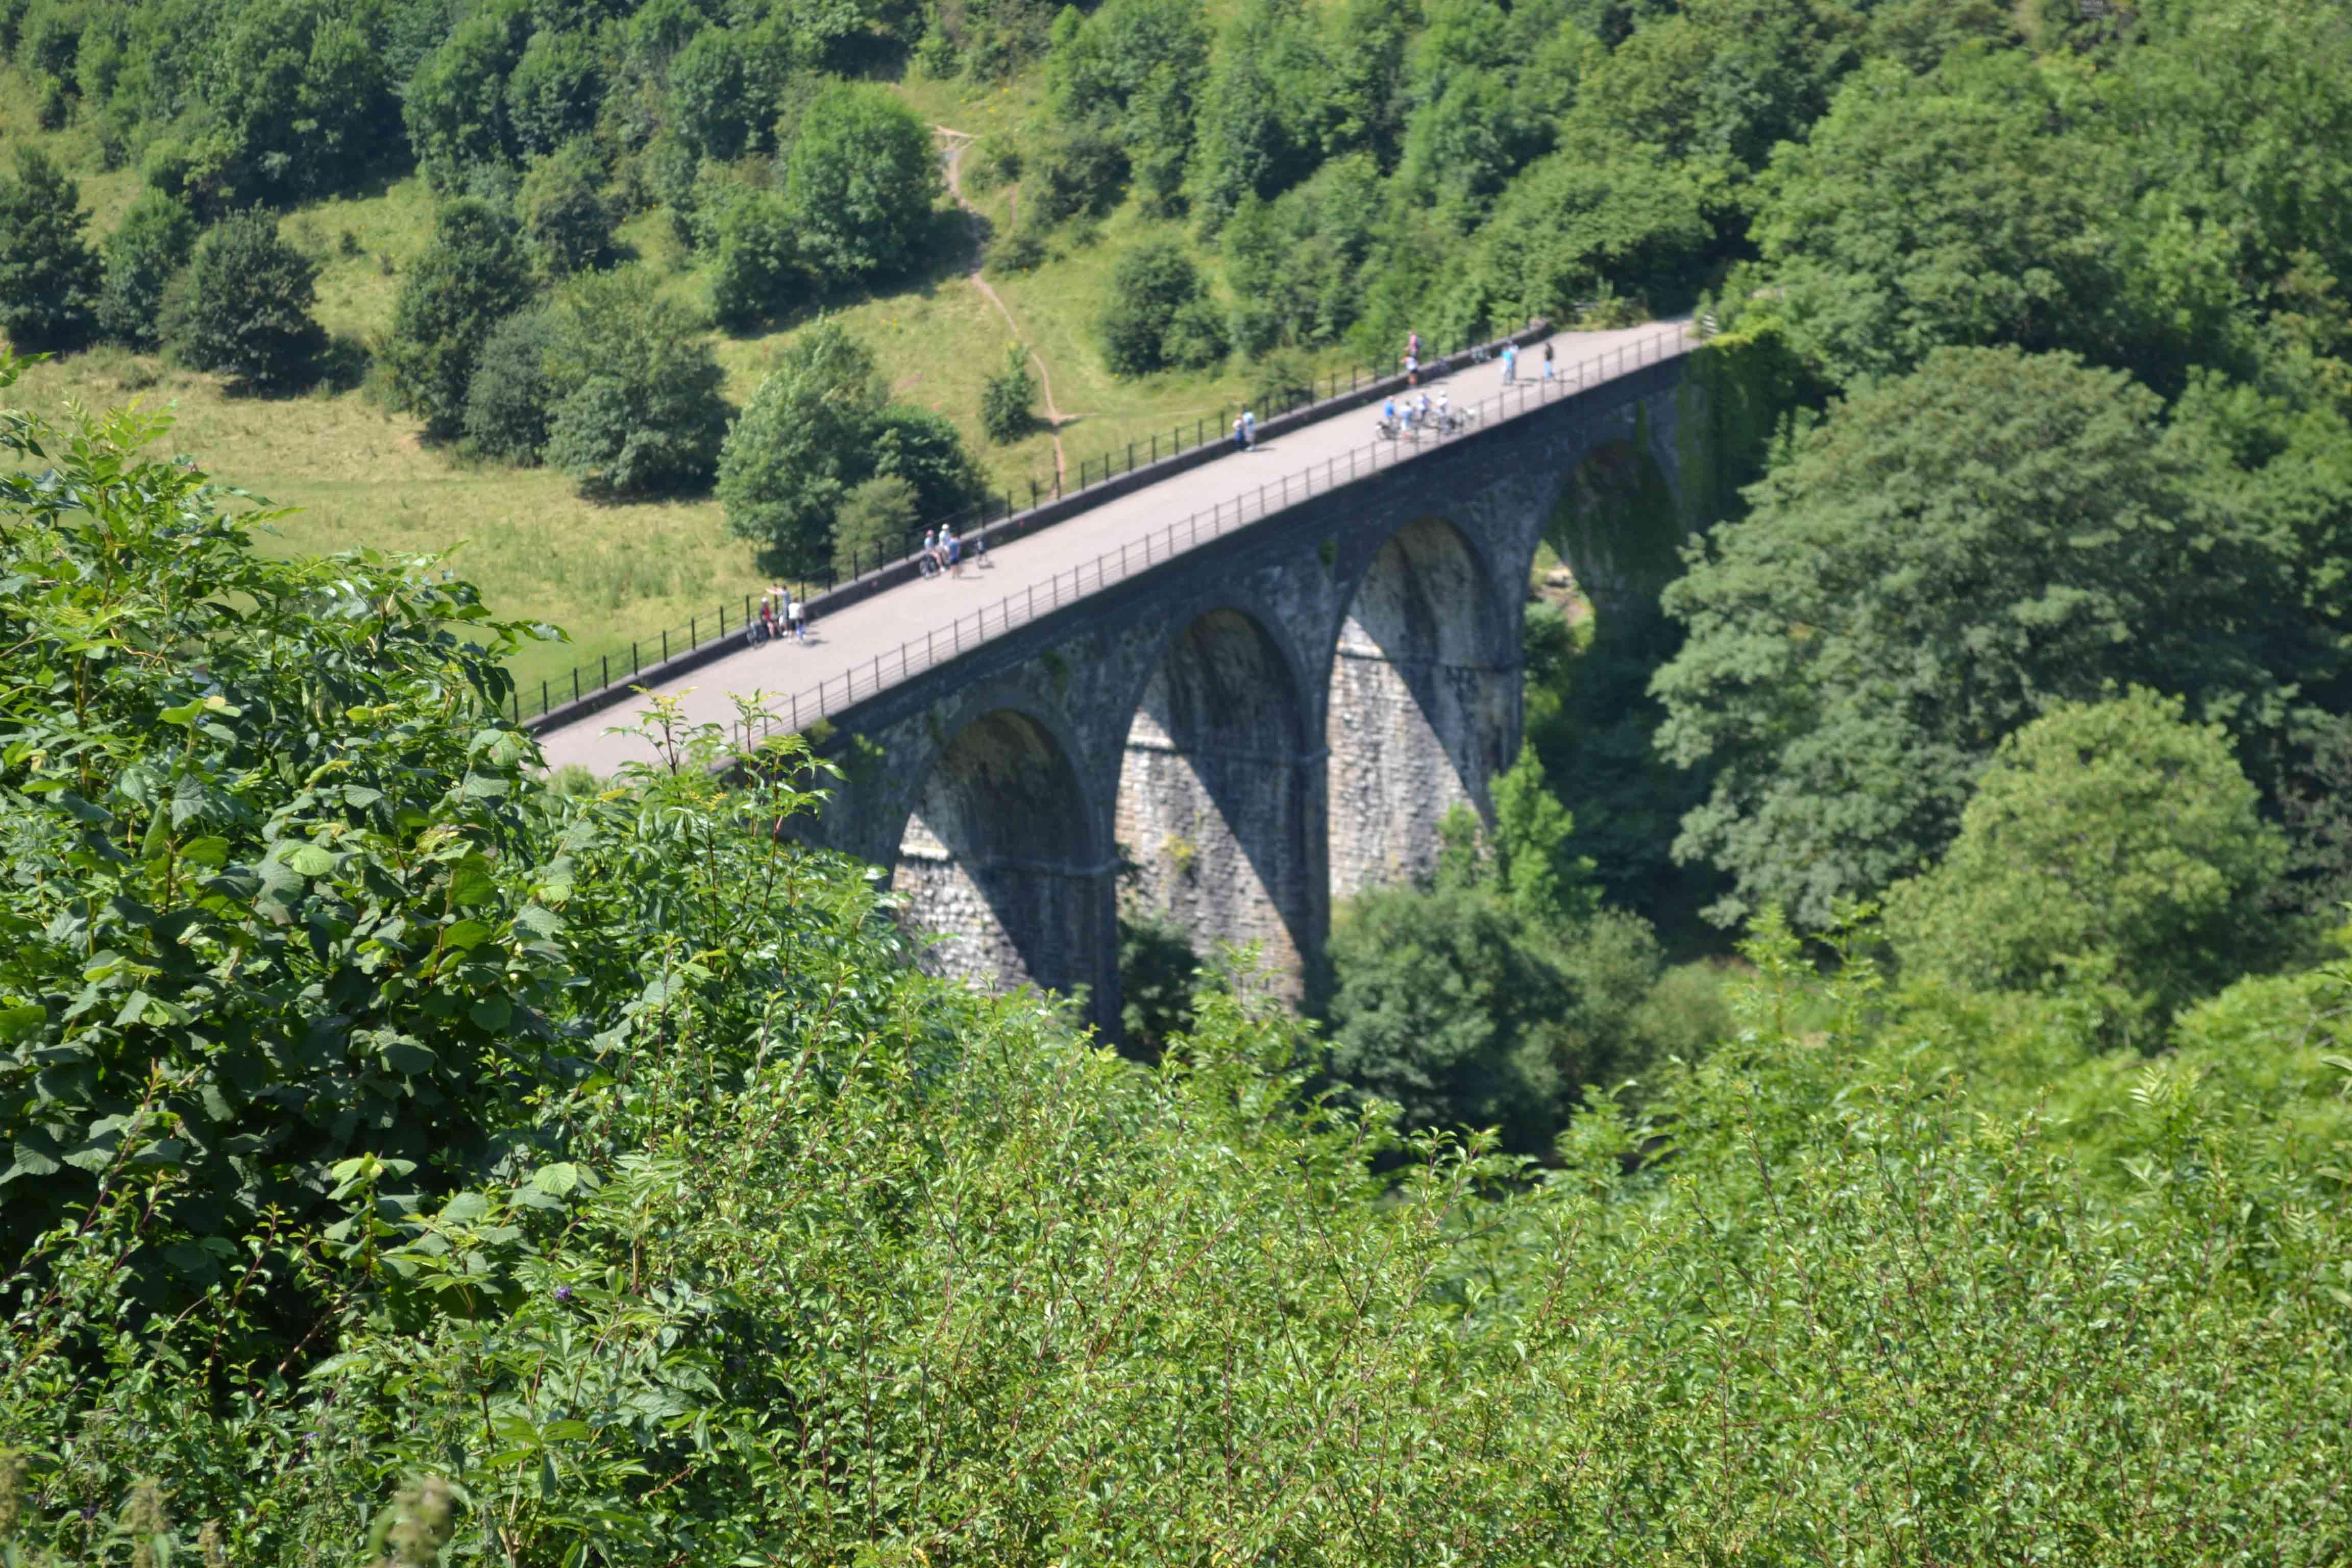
column 2106, row 843
column 1950, row 553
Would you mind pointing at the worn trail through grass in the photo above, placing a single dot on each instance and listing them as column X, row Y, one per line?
column 958, row 142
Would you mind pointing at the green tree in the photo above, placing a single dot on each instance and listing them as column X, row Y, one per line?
column 872, row 524
column 510, row 397
column 1960, row 212
column 1570, row 229
column 800, row 448
column 756, row 272
column 1496, row 992
column 641, row 410
column 1950, row 555
column 294, row 99
column 2113, row 843
column 553, row 91
column 709, row 83
column 566, row 211
column 50, row 280
column 1536, row 862
column 456, row 107
column 1006, row 399
column 143, row 254
column 1442, row 1005
column 1154, row 288
column 924, row 447
column 862, row 178
column 243, row 307
column 471, row 277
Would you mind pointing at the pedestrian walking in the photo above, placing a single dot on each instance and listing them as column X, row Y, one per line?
column 1547, row 358
column 767, row 618
column 800, row 618
column 1413, row 345
column 1249, row 429
column 955, row 547
column 1510, row 363
column 1240, row 439
column 1412, row 370
column 784, row 614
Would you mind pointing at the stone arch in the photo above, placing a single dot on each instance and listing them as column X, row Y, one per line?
column 1424, row 703
column 1219, row 803
column 1616, row 524
column 1003, row 860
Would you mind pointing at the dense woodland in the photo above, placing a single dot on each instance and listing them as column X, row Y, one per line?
column 1879, row 1088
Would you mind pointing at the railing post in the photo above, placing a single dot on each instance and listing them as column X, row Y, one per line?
column 633, row 655
column 606, row 661
column 543, row 703
column 665, row 645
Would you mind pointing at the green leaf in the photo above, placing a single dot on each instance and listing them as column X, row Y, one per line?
column 560, row 1179
column 466, row 933
column 492, row 1013
column 408, row 1059
column 209, row 851
column 311, row 860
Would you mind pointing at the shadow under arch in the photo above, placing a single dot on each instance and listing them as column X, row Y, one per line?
column 1617, row 526
column 1219, row 794
column 1424, row 704
column 1000, row 859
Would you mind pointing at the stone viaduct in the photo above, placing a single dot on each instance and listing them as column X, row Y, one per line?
column 1259, row 727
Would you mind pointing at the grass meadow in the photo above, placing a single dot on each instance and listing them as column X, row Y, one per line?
column 358, row 474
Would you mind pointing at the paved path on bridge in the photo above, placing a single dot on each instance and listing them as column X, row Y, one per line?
column 858, row 635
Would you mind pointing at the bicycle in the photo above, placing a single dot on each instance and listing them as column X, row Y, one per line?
column 757, row 633
column 929, row 563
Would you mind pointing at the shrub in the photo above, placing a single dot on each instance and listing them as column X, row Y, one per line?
column 510, row 397
column 469, row 279
column 1152, row 287
column 1021, row 250
column 50, row 280
column 1076, row 171
column 1196, row 337
column 641, row 410
column 1006, row 400
column 872, row 524
column 756, row 271
column 566, row 211
column 243, row 307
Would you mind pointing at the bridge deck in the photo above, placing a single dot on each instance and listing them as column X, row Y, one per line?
column 857, row 637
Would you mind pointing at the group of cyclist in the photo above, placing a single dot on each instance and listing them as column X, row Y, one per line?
column 1418, row 415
